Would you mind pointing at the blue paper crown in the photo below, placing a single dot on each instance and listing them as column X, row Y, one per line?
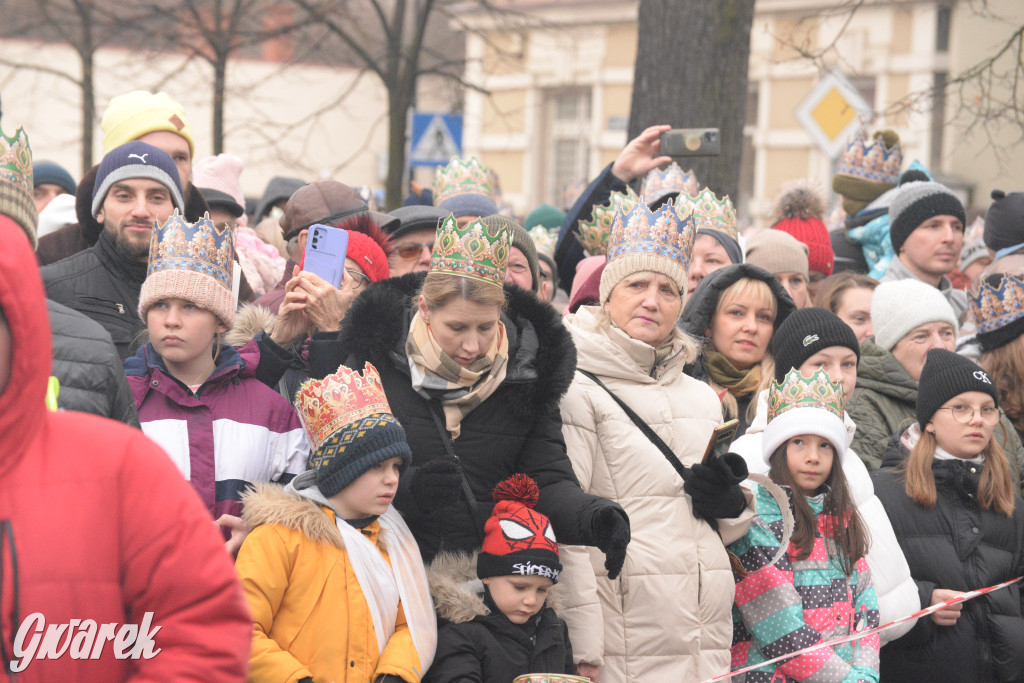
column 663, row 232
column 996, row 307
column 868, row 158
column 198, row 248
column 659, row 183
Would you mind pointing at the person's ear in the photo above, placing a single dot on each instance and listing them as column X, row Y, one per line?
column 222, row 328
column 424, row 310
column 99, row 215
column 930, row 428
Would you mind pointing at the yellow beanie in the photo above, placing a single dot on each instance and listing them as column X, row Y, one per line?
column 132, row 115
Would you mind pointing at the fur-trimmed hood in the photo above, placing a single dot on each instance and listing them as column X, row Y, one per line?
column 269, row 503
column 542, row 358
column 250, row 321
column 457, row 592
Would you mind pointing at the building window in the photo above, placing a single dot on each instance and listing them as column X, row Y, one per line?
column 567, row 146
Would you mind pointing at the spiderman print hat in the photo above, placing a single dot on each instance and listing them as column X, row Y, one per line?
column 518, row 540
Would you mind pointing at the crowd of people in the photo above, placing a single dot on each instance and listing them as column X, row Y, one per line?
column 488, row 452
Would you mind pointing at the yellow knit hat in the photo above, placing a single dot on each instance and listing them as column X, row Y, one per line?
column 131, row 115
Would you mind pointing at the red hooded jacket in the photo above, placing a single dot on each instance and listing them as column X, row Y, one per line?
column 97, row 523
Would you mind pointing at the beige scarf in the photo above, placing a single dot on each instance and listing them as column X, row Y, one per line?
column 460, row 389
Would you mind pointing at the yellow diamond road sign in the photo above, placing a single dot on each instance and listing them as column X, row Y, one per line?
column 833, row 112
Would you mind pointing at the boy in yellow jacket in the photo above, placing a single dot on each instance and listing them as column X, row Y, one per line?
column 332, row 574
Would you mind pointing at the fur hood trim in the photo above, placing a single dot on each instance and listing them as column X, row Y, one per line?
column 376, row 327
column 250, row 321
column 458, row 593
column 268, row 503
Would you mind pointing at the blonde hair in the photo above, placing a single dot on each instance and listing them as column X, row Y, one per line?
column 995, row 490
column 440, row 288
column 1006, row 366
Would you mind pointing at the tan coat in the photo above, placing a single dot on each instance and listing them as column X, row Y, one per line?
column 668, row 616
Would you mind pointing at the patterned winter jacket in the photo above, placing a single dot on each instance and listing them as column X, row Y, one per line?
column 798, row 603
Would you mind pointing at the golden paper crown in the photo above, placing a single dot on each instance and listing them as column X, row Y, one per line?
column 326, row 405
column 711, row 213
column 463, row 176
column 593, row 234
column 477, row 251
column 999, row 302
column 544, row 239
column 870, row 159
column 667, row 232
column 198, row 247
column 659, row 183
column 797, row 391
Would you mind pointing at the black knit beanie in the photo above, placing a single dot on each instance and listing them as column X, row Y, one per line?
column 355, row 449
column 916, row 201
column 945, row 375
column 804, row 333
column 1004, row 221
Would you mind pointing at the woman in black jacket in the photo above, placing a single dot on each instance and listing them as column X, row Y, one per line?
column 961, row 527
column 474, row 373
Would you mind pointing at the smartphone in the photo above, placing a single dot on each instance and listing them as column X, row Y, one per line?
column 326, row 248
column 691, row 142
column 720, row 441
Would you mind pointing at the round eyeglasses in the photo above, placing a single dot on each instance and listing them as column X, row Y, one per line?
column 965, row 413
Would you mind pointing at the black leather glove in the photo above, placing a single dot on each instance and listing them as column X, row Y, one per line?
column 389, row 678
column 437, row 484
column 610, row 527
column 715, row 487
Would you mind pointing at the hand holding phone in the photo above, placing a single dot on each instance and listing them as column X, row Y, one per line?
column 326, row 248
column 721, row 439
column 691, row 142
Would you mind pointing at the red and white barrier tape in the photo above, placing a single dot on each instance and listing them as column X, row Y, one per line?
column 963, row 597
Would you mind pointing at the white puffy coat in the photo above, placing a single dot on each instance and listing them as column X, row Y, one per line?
column 897, row 592
column 668, row 616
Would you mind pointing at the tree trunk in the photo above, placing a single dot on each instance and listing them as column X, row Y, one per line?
column 220, row 66
column 88, row 110
column 691, row 72
column 398, row 117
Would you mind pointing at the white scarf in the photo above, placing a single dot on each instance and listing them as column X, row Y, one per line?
column 384, row 585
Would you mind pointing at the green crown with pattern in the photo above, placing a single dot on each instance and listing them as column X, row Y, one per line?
column 16, row 161
column 476, row 251
column 659, row 183
column 797, row 391
column 463, row 176
column 593, row 234
column 710, row 212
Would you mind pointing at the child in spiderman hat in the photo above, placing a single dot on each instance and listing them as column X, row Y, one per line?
column 502, row 625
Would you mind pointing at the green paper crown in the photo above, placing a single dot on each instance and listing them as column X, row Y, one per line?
column 476, row 251
column 797, row 391
column 593, row 234
column 16, row 161
column 710, row 212
column 460, row 176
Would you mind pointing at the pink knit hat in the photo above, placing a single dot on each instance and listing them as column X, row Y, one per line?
column 222, row 172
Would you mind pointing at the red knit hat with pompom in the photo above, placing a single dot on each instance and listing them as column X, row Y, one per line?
column 518, row 540
column 798, row 211
column 368, row 246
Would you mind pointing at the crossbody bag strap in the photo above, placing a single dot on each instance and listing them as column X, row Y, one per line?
column 437, row 412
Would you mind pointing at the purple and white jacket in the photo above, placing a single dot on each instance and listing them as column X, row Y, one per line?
column 234, row 432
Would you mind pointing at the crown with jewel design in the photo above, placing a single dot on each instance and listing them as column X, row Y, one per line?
column 462, row 176
column 593, row 234
column 999, row 302
column 326, row 405
column 16, row 186
column 797, row 391
column 666, row 232
column 711, row 213
column 544, row 239
column 869, row 158
column 659, row 183
column 198, row 247
column 476, row 251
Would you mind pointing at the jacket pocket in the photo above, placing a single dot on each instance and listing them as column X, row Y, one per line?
column 121, row 323
column 1007, row 646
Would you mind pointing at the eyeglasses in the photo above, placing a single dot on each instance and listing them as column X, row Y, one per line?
column 361, row 280
column 964, row 414
column 411, row 250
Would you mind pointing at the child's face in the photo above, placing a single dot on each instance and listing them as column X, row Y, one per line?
column 371, row 493
column 839, row 363
column 180, row 331
column 965, row 439
column 518, row 597
column 809, row 459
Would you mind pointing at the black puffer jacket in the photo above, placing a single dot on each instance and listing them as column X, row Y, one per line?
column 700, row 309
column 957, row 546
column 86, row 364
column 518, row 428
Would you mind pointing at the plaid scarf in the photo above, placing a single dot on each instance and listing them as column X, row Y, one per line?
column 436, row 375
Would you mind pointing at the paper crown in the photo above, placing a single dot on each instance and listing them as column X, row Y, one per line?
column 196, row 247
column 544, row 239
column 868, row 158
column 460, row 176
column 711, row 213
column 667, row 232
column 797, row 391
column 659, row 183
column 593, row 234
column 996, row 306
column 476, row 251
column 16, row 160
column 326, row 405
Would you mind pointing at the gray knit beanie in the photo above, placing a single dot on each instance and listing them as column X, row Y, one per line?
column 915, row 202
column 898, row 307
column 520, row 239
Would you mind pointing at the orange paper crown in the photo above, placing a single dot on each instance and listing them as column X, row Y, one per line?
column 326, row 405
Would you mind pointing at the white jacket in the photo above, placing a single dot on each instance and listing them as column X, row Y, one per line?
column 668, row 616
column 897, row 592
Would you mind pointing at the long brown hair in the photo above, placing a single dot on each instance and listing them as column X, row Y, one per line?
column 995, row 490
column 1005, row 366
column 831, row 291
column 850, row 539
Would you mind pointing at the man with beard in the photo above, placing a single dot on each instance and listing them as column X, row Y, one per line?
column 137, row 186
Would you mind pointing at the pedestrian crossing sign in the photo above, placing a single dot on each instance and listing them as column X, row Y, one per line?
column 436, row 138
